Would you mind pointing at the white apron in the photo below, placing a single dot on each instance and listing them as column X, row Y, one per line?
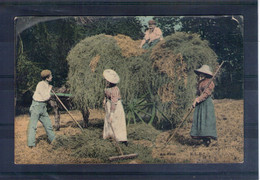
column 118, row 122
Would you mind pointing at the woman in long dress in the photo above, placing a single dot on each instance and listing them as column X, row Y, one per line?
column 114, row 123
column 204, row 120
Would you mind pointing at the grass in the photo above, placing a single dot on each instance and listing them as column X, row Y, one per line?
column 90, row 144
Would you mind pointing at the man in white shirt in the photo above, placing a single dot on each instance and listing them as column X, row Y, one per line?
column 152, row 36
column 38, row 109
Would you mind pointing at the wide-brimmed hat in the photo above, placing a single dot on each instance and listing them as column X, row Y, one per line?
column 151, row 22
column 205, row 69
column 111, row 76
column 45, row 73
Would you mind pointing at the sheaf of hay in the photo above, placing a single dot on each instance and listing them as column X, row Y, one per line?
column 170, row 64
column 93, row 63
column 129, row 46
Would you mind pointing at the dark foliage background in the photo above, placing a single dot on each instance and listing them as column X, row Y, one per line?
column 46, row 45
column 225, row 36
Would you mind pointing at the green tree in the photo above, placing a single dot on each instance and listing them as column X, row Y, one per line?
column 27, row 75
column 129, row 26
column 47, row 44
column 225, row 37
column 44, row 46
column 168, row 24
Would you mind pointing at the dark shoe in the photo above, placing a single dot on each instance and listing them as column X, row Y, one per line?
column 125, row 143
column 31, row 147
column 206, row 142
column 56, row 127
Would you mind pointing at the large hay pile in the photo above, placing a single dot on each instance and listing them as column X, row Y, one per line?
column 177, row 57
column 166, row 70
column 90, row 57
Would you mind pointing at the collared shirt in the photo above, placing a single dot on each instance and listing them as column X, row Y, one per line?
column 42, row 92
column 201, row 86
column 155, row 34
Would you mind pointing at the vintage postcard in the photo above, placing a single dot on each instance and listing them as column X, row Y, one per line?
column 129, row 89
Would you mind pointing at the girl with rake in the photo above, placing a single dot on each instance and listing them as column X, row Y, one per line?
column 204, row 120
column 114, row 123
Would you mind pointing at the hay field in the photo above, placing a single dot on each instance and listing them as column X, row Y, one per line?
column 229, row 148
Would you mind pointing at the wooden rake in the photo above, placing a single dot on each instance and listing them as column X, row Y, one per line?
column 66, row 110
column 122, row 156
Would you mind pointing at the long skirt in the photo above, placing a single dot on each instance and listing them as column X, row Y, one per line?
column 118, row 123
column 204, row 120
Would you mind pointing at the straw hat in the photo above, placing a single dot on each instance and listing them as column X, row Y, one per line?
column 205, row 69
column 111, row 76
column 45, row 73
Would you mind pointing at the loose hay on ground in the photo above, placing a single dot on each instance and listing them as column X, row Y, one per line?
column 142, row 131
column 90, row 144
column 228, row 149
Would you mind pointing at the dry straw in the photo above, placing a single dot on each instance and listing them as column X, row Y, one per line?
column 166, row 70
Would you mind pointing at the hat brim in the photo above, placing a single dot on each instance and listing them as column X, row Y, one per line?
column 200, row 72
column 111, row 76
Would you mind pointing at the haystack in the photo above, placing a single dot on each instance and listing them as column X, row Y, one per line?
column 166, row 70
column 176, row 57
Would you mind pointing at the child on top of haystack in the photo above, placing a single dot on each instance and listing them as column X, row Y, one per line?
column 114, row 123
column 152, row 36
column 38, row 109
